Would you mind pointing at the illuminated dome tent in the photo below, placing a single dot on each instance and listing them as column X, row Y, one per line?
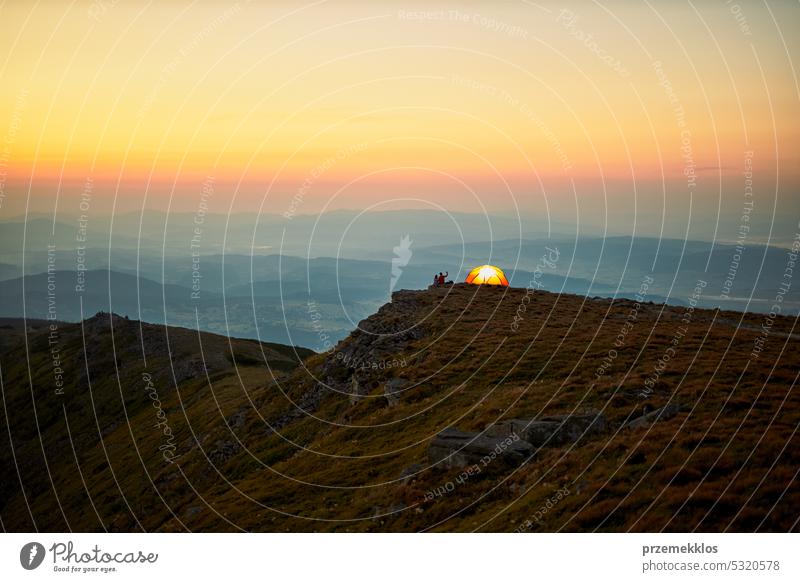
column 487, row 275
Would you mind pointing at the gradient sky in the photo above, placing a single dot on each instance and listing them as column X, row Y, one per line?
column 459, row 105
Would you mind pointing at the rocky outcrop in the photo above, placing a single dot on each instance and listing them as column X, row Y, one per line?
column 307, row 404
column 662, row 413
column 223, row 450
column 362, row 362
column 237, row 419
column 453, row 448
column 552, row 431
column 185, row 369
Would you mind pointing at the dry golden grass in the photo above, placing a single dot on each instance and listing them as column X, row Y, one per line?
column 726, row 461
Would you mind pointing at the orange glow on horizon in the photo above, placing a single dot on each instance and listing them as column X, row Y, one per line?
column 380, row 102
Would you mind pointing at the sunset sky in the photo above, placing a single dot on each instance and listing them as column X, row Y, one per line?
column 592, row 113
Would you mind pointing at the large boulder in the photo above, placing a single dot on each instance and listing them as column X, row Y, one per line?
column 454, row 448
column 554, row 430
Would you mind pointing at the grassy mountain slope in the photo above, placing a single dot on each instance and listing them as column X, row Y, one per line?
column 341, row 442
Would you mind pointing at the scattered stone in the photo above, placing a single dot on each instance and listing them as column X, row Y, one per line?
column 192, row 511
column 110, row 428
column 454, row 448
column 650, row 418
column 410, row 472
column 554, row 430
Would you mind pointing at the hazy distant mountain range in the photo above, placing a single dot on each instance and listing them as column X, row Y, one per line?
column 337, row 269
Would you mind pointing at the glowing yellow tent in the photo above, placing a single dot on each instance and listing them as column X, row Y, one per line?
column 487, row 275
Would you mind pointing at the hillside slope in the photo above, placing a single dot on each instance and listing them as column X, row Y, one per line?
column 348, row 440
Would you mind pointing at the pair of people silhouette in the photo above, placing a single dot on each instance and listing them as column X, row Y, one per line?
column 440, row 279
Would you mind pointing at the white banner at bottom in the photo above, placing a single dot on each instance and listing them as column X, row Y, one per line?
column 396, row 557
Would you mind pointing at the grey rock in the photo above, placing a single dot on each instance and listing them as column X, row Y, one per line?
column 554, row 430
column 650, row 418
column 237, row 419
column 410, row 472
column 305, row 406
column 224, row 450
column 357, row 391
column 192, row 511
column 393, row 389
column 454, row 448
column 361, row 385
column 110, row 428
column 359, row 364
